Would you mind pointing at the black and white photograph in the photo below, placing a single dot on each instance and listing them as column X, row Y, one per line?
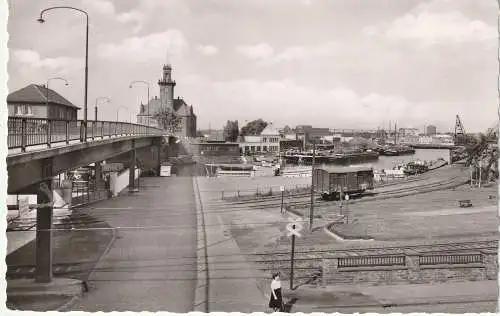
column 252, row 156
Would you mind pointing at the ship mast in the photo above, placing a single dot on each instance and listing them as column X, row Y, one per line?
column 395, row 133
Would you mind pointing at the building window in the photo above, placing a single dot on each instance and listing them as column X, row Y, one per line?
column 265, row 148
column 23, row 110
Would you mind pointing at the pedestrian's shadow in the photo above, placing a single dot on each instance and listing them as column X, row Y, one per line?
column 288, row 305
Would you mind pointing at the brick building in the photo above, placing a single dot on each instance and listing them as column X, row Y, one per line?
column 36, row 101
column 185, row 124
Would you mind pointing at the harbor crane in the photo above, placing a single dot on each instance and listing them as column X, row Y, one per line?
column 460, row 137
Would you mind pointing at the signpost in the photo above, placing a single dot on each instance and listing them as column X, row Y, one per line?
column 112, row 167
column 346, row 208
column 24, row 207
column 293, row 230
column 282, row 189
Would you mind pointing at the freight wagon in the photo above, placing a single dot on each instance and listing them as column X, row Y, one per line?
column 331, row 182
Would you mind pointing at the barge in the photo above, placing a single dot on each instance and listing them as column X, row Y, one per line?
column 330, row 158
column 396, row 151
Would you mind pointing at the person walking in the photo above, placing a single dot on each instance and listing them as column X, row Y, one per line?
column 276, row 301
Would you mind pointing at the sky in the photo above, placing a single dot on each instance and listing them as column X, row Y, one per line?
column 326, row 63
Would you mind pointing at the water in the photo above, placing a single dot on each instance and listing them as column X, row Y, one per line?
column 388, row 162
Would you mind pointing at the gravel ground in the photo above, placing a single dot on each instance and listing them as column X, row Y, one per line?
column 431, row 216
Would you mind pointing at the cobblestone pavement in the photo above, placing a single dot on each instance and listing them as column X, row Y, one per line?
column 152, row 264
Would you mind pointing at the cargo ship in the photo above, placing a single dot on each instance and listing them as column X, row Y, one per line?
column 340, row 158
column 396, row 151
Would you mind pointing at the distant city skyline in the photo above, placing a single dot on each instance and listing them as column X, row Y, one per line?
column 336, row 64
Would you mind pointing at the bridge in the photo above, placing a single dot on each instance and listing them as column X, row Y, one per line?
column 41, row 149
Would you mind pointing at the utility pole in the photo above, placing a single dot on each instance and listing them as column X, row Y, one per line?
column 293, row 255
column 311, row 212
column 480, row 167
column 282, row 189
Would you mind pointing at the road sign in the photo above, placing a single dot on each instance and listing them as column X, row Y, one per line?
column 24, row 206
column 282, row 188
column 294, row 229
column 112, row 167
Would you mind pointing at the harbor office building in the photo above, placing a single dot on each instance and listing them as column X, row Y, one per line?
column 267, row 142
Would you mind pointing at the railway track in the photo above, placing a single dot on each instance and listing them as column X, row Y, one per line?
column 303, row 200
column 297, row 201
column 79, row 267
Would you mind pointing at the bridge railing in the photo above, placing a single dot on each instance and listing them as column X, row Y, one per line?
column 24, row 132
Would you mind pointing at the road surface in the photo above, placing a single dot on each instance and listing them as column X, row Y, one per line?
column 151, row 265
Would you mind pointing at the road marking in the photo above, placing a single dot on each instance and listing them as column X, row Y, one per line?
column 18, row 269
column 112, row 208
column 32, row 270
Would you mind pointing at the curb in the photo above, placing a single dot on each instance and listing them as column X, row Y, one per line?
column 332, row 234
column 202, row 277
column 328, row 229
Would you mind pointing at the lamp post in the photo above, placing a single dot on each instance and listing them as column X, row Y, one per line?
column 118, row 111
column 146, row 83
column 106, row 100
column 41, row 20
column 66, row 83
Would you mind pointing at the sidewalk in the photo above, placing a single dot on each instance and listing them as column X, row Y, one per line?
column 234, row 285
column 410, row 297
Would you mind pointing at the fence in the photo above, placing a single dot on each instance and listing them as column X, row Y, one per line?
column 369, row 261
column 450, row 259
column 263, row 191
column 24, row 132
column 411, row 267
column 91, row 191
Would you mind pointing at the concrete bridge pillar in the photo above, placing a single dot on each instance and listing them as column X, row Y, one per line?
column 44, row 251
column 131, row 174
column 98, row 171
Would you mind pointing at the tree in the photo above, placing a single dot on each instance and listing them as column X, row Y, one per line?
column 287, row 130
column 168, row 120
column 231, row 131
column 254, row 127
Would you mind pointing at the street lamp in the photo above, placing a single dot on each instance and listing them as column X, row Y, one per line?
column 47, row 88
column 118, row 111
column 106, row 100
column 146, row 83
column 42, row 20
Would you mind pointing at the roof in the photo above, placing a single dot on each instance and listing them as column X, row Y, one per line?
column 269, row 130
column 155, row 104
column 182, row 107
column 38, row 94
column 331, row 169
